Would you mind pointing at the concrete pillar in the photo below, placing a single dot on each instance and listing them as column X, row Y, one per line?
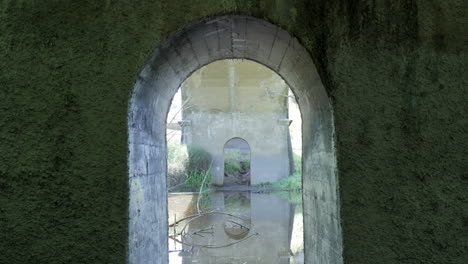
column 186, row 131
column 217, row 169
column 285, row 123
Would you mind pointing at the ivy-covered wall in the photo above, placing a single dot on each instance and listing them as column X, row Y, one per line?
column 396, row 72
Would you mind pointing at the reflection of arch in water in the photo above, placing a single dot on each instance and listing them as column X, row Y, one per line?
column 268, row 216
column 229, row 223
column 237, row 161
column 238, row 204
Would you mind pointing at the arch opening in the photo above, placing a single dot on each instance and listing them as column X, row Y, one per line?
column 199, row 44
column 237, row 162
column 216, row 109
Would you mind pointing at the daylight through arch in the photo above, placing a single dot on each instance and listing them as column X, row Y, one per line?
column 187, row 50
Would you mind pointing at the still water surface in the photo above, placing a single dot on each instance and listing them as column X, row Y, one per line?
column 236, row 228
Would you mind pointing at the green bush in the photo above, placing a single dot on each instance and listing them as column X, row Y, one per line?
column 198, row 159
column 294, row 181
column 187, row 164
column 195, row 179
column 235, row 161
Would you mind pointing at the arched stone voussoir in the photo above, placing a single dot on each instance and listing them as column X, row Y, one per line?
column 261, row 38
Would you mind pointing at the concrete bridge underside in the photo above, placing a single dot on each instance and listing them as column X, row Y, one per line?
column 184, row 52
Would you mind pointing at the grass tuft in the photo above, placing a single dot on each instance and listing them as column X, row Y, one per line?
column 294, row 181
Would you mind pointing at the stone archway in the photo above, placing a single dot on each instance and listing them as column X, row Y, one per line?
column 238, row 154
column 209, row 40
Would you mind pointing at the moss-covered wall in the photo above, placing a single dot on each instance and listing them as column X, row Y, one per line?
column 396, row 71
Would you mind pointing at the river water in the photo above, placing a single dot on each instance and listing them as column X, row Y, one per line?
column 236, row 227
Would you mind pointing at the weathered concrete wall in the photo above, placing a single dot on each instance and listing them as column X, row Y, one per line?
column 239, row 98
column 266, row 137
column 174, row 61
column 396, row 71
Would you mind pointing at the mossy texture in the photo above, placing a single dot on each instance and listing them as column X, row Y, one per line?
column 395, row 70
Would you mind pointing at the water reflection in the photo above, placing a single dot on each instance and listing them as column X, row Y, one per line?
column 237, row 228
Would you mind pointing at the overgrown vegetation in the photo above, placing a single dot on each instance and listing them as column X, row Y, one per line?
column 236, row 161
column 294, row 181
column 187, row 166
column 195, row 179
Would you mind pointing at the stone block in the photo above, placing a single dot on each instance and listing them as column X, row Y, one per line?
column 238, row 34
column 260, row 37
column 279, row 49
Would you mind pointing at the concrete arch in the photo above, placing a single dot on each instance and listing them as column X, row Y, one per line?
column 245, row 148
column 224, row 37
column 237, row 138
